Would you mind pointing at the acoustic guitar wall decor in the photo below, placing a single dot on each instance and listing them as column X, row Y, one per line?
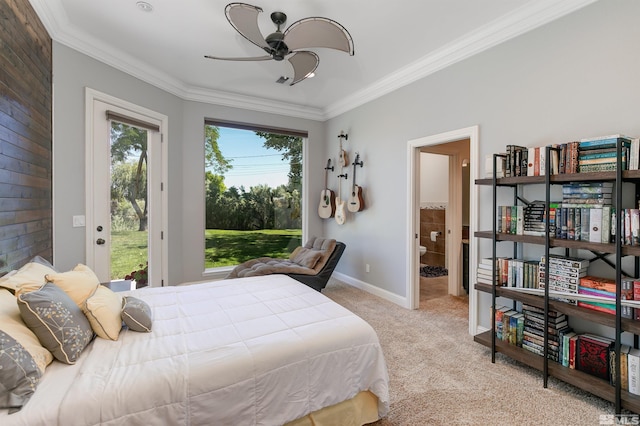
column 343, row 158
column 356, row 202
column 327, row 207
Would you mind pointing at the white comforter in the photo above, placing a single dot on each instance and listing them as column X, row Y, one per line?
column 251, row 351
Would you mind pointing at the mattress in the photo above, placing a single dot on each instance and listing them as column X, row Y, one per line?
column 260, row 350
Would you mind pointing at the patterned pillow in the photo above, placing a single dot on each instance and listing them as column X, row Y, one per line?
column 11, row 323
column 136, row 314
column 103, row 311
column 19, row 374
column 57, row 321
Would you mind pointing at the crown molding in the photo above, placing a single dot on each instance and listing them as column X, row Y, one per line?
column 520, row 21
column 53, row 17
column 533, row 15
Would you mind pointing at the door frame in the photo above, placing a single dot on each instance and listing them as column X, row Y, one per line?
column 413, row 221
column 157, row 229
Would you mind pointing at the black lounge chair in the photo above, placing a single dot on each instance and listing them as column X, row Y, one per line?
column 319, row 281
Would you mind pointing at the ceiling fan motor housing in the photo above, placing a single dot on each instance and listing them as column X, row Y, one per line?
column 279, row 48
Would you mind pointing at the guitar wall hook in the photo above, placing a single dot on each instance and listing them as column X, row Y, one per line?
column 343, row 176
column 343, row 159
column 356, row 162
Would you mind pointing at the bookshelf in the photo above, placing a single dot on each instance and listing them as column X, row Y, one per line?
column 602, row 388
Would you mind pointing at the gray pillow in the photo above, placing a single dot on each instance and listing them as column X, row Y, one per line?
column 136, row 314
column 19, row 374
column 58, row 322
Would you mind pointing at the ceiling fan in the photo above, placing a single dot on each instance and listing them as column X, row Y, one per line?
column 290, row 44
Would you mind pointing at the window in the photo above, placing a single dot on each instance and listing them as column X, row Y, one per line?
column 253, row 193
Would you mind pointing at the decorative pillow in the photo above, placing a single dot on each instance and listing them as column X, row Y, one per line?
column 31, row 276
column 19, row 374
column 57, row 321
column 103, row 311
column 305, row 257
column 136, row 314
column 79, row 283
column 12, row 324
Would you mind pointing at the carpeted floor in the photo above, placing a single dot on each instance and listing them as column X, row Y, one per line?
column 439, row 376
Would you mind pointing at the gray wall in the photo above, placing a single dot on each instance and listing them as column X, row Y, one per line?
column 73, row 71
column 575, row 77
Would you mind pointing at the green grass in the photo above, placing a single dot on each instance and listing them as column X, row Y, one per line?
column 128, row 251
column 227, row 248
column 222, row 247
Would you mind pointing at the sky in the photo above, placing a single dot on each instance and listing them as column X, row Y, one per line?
column 252, row 164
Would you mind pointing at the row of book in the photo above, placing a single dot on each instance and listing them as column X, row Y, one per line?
column 567, row 275
column 525, row 329
column 590, row 353
column 595, row 154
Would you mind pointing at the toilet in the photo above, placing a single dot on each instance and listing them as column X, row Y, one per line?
column 423, row 250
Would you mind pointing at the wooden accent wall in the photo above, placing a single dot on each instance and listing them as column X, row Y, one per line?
column 25, row 136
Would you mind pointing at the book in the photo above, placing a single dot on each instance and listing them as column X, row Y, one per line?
column 613, row 366
column 565, row 347
column 600, row 142
column 633, row 363
column 595, row 225
column 592, row 355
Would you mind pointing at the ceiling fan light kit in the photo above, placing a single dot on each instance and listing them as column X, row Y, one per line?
column 314, row 32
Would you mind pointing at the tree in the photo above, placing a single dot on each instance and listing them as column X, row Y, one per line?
column 129, row 145
column 213, row 157
column 291, row 148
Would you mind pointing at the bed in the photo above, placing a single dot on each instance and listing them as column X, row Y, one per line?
column 263, row 350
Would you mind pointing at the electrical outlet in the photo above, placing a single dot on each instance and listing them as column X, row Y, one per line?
column 367, row 268
column 78, row 221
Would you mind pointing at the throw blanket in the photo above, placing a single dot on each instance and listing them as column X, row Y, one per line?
column 305, row 260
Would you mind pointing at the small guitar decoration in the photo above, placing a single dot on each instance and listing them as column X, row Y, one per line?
column 327, row 207
column 356, row 202
column 341, row 214
column 343, row 159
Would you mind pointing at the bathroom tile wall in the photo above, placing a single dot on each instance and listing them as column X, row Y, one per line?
column 433, row 219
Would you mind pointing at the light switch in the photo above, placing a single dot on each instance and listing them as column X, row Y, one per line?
column 78, row 221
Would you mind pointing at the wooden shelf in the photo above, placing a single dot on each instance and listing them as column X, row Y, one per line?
column 627, row 175
column 577, row 378
column 574, row 311
column 558, row 242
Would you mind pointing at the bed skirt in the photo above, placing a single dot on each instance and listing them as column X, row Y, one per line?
column 359, row 410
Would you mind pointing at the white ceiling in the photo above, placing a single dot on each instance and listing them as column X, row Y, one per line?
column 396, row 42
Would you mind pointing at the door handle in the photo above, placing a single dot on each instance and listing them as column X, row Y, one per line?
column 100, row 241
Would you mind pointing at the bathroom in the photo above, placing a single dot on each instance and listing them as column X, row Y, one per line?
column 434, row 200
column 433, row 206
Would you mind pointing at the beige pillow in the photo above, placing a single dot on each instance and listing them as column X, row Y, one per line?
column 30, row 277
column 305, row 257
column 79, row 283
column 103, row 311
column 11, row 323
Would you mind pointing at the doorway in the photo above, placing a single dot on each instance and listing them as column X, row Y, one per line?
column 460, row 146
column 125, row 197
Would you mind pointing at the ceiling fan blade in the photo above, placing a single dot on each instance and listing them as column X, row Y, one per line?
column 253, row 58
column 304, row 63
column 244, row 18
column 318, row 32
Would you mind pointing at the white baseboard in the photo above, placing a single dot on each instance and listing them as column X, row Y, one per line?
column 376, row 291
